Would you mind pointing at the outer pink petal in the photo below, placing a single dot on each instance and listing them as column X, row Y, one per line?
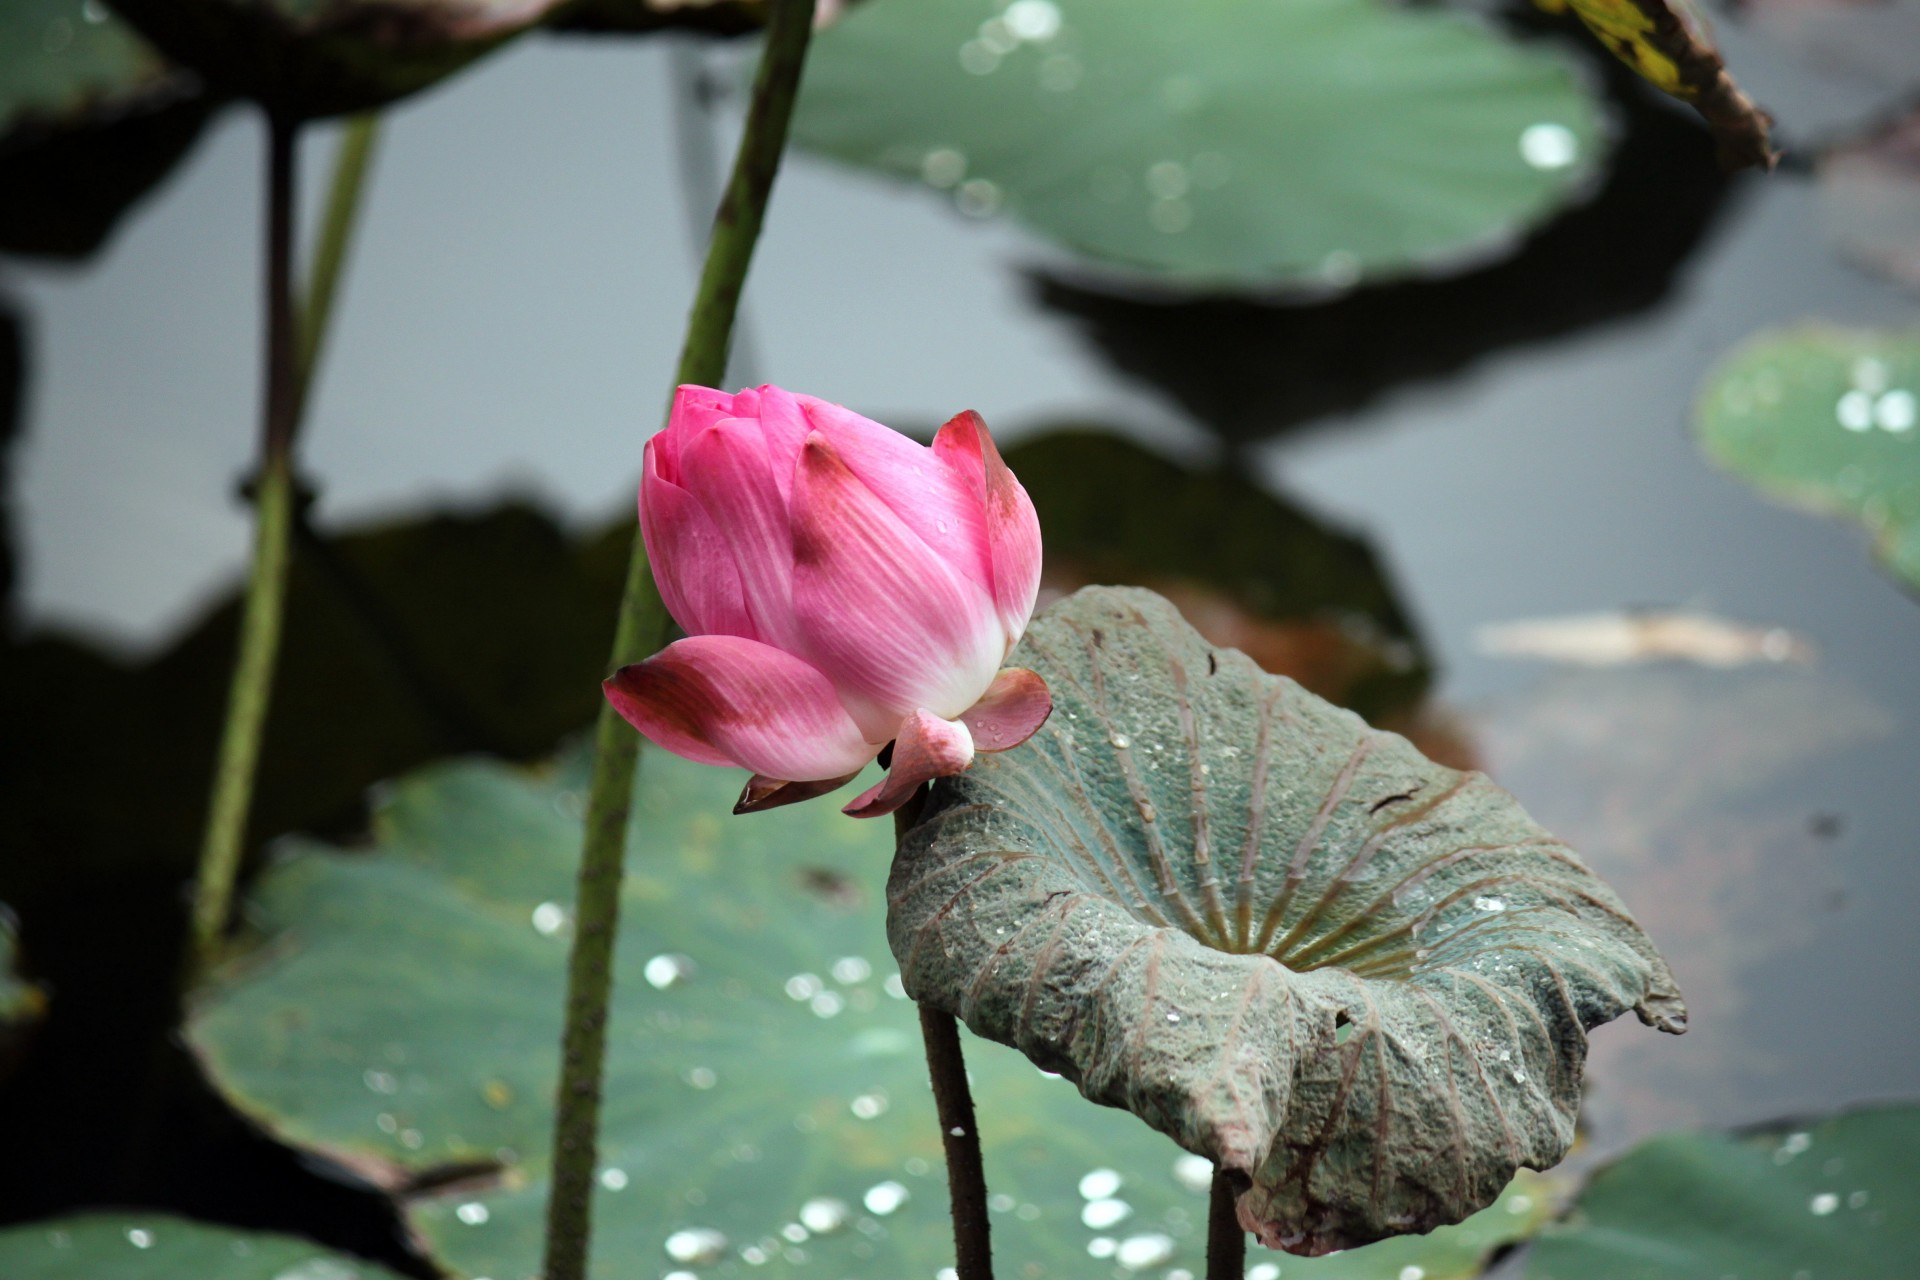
column 762, row 793
column 1012, row 710
column 926, row 748
column 1012, row 528
column 727, row 469
column 727, row 700
column 942, row 507
column 883, row 615
column 782, row 425
column 692, row 563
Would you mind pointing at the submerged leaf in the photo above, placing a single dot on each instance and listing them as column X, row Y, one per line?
column 1358, row 979
column 1834, row 1197
column 1222, row 143
column 766, row 1098
column 1667, row 42
column 90, row 118
column 140, row 1246
column 1829, row 419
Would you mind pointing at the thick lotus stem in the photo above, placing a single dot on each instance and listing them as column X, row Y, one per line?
column 639, row 630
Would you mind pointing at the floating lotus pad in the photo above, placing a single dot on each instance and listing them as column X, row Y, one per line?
column 1827, row 419
column 1360, row 980
column 766, row 1081
column 142, row 1246
column 1834, row 1197
column 1226, row 143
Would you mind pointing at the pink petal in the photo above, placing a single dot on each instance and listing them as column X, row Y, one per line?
column 783, row 426
column 728, row 700
column 727, row 468
column 692, row 564
column 1012, row 710
column 885, row 617
column 927, row 748
column 942, row 507
column 762, row 792
column 694, row 409
column 1012, row 528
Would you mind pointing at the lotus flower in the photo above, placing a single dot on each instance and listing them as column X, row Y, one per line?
column 842, row 588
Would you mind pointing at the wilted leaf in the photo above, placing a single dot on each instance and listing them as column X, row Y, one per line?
column 1836, row 1197
column 766, row 1079
column 1825, row 418
column 1225, row 143
column 1360, row 980
column 91, row 117
column 1667, row 42
column 1870, row 197
column 306, row 58
column 145, row 1246
column 1249, row 569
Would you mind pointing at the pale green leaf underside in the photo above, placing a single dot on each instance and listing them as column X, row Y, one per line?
column 1828, row 419
column 130, row 1245
column 400, row 1016
column 1293, row 944
column 1224, row 142
column 1839, row 1197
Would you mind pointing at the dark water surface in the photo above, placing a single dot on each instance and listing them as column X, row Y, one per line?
column 513, row 310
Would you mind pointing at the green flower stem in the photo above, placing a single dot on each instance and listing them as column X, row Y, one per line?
column 292, row 347
column 1226, row 1238
column 640, row 629
column 953, row 1104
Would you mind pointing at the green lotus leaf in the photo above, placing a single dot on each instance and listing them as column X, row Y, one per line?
column 399, row 1017
column 1833, row 1197
column 91, row 117
column 1360, row 981
column 1230, row 143
column 307, row 58
column 1827, row 419
column 142, row 1246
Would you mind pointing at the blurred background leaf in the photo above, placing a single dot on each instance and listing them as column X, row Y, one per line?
column 142, row 1246
column 1827, row 419
column 1232, row 144
column 766, row 1102
column 91, row 117
column 1838, row 1196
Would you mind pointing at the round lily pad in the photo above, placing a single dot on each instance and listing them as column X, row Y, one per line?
column 1834, row 1197
column 1828, row 419
column 1359, row 980
column 767, row 1108
column 91, row 117
column 1232, row 144
column 141, row 1246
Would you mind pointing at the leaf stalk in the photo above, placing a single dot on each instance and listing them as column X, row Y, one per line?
column 1226, row 1238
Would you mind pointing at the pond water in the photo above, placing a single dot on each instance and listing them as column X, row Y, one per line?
column 512, row 313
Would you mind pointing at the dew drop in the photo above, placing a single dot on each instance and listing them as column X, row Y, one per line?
column 1854, row 411
column 1263, row 1271
column 943, row 167
column 139, row 1239
column 1121, row 741
column 978, row 198
column 668, row 970
column 549, row 918
column 1173, row 1017
column 1823, row 1204
column 696, row 1246
column 1489, row 904
column 1549, row 146
column 1138, row 1253
column 1034, row 20
column 1101, row 1214
column 824, row 1215
column 894, row 987
column 794, row 1233
column 869, row 1105
column 804, row 986
column 1195, row 1173
column 1895, row 411
column 1000, row 1202
column 473, row 1213
column 380, row 1081
column 702, row 1077
column 1413, row 1273
column 1100, row 1184
column 827, row 1004
column 1102, row 1246
column 883, row 1198
column 614, row 1179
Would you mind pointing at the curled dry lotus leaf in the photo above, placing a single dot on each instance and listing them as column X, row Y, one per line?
column 1359, row 980
column 1668, row 44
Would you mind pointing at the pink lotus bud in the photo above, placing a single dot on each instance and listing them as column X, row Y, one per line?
column 841, row 587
